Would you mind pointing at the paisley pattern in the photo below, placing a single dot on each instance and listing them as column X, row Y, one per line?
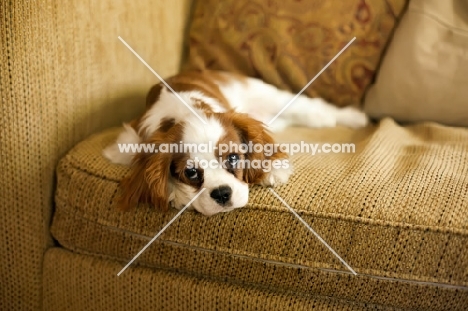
column 287, row 42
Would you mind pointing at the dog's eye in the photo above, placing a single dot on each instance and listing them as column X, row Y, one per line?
column 233, row 159
column 191, row 173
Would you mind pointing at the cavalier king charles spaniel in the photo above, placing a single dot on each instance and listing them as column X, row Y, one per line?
column 221, row 109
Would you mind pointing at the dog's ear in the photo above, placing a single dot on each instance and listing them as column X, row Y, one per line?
column 254, row 131
column 148, row 182
column 150, row 178
column 153, row 95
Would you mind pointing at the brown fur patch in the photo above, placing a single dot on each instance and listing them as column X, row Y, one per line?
column 153, row 95
column 250, row 130
column 166, row 124
column 178, row 166
column 203, row 106
column 148, row 181
column 203, row 81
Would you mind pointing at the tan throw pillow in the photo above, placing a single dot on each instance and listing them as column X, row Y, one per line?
column 286, row 43
column 424, row 74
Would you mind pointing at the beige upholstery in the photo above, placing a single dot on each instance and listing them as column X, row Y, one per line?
column 142, row 288
column 424, row 73
column 396, row 210
column 64, row 75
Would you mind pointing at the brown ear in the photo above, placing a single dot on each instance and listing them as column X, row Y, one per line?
column 149, row 179
column 153, row 95
column 148, row 182
column 252, row 130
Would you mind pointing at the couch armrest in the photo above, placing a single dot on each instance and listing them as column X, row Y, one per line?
column 64, row 75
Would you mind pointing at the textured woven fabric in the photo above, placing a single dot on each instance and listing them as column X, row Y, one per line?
column 63, row 75
column 286, row 43
column 396, row 211
column 74, row 282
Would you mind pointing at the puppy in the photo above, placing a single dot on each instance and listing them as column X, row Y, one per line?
column 223, row 109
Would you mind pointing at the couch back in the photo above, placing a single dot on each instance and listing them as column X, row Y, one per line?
column 63, row 76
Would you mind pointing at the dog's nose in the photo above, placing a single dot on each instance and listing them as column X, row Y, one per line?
column 222, row 194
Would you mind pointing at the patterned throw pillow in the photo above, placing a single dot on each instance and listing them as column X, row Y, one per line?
column 287, row 42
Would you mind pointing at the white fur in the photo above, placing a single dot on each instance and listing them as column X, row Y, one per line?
column 261, row 101
column 127, row 136
column 204, row 204
column 214, row 177
column 168, row 106
column 197, row 133
column 278, row 176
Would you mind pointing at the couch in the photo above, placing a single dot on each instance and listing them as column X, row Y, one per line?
column 395, row 210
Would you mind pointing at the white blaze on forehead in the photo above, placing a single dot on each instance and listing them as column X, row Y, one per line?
column 169, row 106
column 198, row 133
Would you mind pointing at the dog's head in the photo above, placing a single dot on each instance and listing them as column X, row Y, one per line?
column 218, row 156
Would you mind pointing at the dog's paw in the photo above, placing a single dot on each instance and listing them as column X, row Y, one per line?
column 278, row 125
column 278, row 176
column 316, row 112
column 351, row 117
column 321, row 119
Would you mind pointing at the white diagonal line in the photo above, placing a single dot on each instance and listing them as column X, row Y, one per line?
column 310, row 82
column 162, row 80
column 315, row 233
column 160, row 232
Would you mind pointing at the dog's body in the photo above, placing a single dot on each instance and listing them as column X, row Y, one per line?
column 234, row 109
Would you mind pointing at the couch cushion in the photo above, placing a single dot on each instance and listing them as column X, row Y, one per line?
column 396, row 211
column 157, row 289
column 286, row 43
column 423, row 75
